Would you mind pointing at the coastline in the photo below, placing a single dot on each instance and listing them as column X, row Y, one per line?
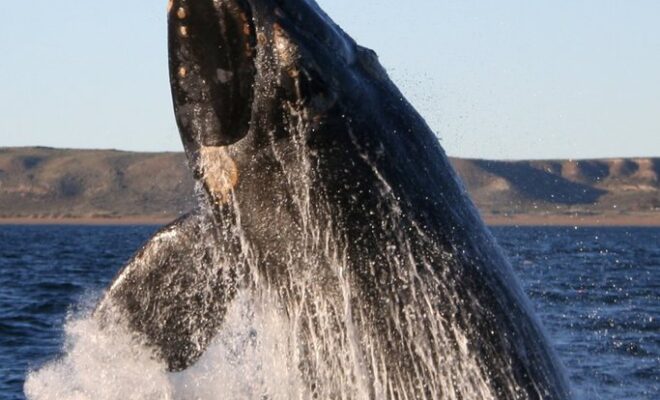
column 89, row 221
column 649, row 219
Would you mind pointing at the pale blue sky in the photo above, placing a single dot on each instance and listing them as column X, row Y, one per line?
column 495, row 79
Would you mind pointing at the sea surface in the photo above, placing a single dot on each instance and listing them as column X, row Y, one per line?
column 597, row 291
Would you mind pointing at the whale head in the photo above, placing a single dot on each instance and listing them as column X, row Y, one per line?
column 238, row 68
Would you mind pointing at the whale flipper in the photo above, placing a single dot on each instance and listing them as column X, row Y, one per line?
column 173, row 292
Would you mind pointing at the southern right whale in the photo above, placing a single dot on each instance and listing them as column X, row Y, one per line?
column 322, row 188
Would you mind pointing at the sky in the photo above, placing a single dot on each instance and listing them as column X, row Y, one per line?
column 505, row 79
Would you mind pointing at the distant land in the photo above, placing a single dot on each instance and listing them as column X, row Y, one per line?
column 46, row 185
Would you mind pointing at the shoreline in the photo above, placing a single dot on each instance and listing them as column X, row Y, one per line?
column 88, row 221
column 599, row 220
column 649, row 219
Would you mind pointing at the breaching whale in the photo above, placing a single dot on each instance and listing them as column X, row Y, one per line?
column 321, row 186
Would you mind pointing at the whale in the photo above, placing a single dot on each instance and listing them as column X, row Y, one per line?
column 320, row 187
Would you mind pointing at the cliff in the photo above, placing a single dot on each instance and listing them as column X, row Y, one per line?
column 60, row 183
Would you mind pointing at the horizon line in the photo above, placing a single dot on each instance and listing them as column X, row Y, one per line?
column 447, row 154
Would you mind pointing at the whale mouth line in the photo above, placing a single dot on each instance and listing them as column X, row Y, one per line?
column 212, row 46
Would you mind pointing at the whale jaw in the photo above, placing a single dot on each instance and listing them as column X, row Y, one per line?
column 212, row 72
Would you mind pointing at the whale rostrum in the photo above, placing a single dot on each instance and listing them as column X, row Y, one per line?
column 322, row 189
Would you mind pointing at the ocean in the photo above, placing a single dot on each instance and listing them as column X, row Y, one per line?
column 596, row 290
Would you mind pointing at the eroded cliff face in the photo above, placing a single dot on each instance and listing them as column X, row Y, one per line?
column 45, row 182
column 563, row 186
column 42, row 182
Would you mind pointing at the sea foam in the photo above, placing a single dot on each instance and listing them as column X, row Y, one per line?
column 252, row 357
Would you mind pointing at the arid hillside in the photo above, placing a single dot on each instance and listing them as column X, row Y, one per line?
column 45, row 182
column 563, row 186
column 62, row 183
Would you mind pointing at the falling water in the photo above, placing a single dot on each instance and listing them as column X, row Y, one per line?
column 310, row 333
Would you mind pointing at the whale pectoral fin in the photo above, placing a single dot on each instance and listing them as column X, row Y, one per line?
column 173, row 293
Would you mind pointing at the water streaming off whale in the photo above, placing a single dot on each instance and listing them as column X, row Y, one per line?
column 303, row 335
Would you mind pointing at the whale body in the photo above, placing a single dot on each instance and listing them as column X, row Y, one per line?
column 321, row 186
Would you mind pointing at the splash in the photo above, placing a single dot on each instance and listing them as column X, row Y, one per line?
column 318, row 321
column 99, row 364
column 308, row 335
column 250, row 358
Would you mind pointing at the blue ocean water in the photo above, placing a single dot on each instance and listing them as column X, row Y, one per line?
column 597, row 290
